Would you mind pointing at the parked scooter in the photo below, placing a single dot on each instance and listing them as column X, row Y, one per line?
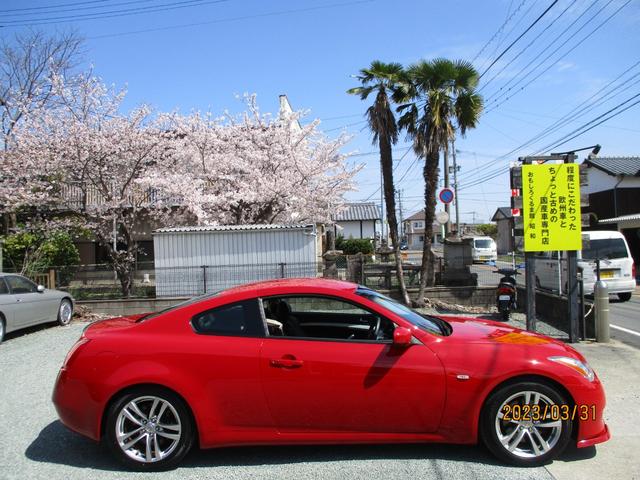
column 507, row 294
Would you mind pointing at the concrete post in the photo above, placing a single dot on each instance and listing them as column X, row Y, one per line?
column 601, row 310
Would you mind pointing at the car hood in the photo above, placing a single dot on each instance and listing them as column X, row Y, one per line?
column 474, row 330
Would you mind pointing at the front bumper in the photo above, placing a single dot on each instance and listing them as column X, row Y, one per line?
column 600, row 438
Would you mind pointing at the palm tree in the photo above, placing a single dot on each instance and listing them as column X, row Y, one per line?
column 381, row 78
column 437, row 99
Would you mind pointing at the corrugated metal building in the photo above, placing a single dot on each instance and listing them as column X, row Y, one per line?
column 194, row 260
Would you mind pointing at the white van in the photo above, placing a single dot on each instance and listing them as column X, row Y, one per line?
column 616, row 265
column 484, row 249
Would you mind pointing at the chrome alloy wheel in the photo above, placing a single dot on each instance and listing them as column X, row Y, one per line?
column 66, row 312
column 148, row 429
column 527, row 438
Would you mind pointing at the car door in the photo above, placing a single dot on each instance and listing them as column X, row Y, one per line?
column 32, row 306
column 7, row 306
column 351, row 385
column 225, row 347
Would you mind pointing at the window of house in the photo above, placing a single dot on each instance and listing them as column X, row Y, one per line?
column 421, row 238
column 241, row 319
column 418, row 224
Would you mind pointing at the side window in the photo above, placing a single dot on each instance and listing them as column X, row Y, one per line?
column 3, row 287
column 21, row 285
column 240, row 319
column 321, row 317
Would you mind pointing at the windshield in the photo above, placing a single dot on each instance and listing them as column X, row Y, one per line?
column 434, row 325
column 151, row 315
column 605, row 248
column 483, row 243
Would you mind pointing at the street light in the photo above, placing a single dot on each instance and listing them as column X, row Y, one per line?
column 595, row 150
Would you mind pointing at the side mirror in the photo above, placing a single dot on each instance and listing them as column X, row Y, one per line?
column 402, row 337
column 40, row 288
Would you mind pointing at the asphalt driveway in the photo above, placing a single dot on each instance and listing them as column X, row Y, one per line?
column 34, row 445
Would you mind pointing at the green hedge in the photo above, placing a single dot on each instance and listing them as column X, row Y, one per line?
column 351, row 246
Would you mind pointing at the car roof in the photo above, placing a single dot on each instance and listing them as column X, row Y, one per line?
column 288, row 283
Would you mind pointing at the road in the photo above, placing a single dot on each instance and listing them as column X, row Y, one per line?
column 625, row 320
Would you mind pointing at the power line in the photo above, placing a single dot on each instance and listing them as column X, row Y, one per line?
column 54, row 6
column 88, row 7
column 563, row 141
column 111, row 13
column 580, row 42
column 557, row 39
column 599, row 120
column 535, row 39
column 232, row 19
column 519, row 37
column 508, row 19
column 394, row 169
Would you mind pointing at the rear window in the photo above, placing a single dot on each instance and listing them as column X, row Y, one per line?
column 606, row 248
column 484, row 243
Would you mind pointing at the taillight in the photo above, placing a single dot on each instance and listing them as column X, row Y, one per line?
column 505, row 290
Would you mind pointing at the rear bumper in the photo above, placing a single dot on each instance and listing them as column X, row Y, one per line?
column 614, row 286
column 75, row 406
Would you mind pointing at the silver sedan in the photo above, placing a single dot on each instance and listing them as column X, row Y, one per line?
column 23, row 303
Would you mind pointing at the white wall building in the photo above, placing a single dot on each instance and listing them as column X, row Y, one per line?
column 358, row 220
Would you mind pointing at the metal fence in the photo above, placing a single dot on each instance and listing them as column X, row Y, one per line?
column 190, row 281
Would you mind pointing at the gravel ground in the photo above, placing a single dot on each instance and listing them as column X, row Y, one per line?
column 34, row 445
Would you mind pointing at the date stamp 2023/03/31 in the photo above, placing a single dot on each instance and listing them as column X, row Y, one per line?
column 554, row 412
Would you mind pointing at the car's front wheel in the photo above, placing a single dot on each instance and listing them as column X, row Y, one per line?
column 522, row 423
column 149, row 429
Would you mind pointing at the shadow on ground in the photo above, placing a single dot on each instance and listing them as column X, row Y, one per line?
column 56, row 444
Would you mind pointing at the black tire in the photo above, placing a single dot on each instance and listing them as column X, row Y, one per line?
column 538, row 284
column 176, row 448
column 64, row 315
column 625, row 296
column 489, row 426
column 3, row 327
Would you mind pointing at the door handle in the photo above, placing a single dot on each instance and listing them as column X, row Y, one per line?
column 286, row 363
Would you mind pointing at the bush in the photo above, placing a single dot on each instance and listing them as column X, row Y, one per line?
column 351, row 246
column 32, row 253
column 488, row 229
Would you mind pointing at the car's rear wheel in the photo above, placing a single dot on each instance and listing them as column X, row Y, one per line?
column 625, row 296
column 525, row 436
column 149, row 429
column 2, row 327
column 65, row 312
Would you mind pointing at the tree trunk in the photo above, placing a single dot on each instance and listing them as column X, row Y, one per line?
column 386, row 161
column 430, row 173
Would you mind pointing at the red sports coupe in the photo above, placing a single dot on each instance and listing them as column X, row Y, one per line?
column 309, row 361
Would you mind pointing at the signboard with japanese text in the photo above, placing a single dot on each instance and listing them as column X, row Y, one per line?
column 551, row 207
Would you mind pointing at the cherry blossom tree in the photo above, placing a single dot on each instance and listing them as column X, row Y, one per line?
column 253, row 168
column 113, row 173
column 83, row 162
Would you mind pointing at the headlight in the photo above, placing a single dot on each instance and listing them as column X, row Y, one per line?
column 580, row 367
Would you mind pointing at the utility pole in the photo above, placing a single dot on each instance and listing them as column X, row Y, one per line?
column 447, row 208
column 383, row 240
column 455, row 186
column 399, row 192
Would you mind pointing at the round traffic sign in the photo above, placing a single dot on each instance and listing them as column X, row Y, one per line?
column 442, row 217
column 446, row 195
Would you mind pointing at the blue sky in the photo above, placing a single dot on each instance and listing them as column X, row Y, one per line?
column 202, row 55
